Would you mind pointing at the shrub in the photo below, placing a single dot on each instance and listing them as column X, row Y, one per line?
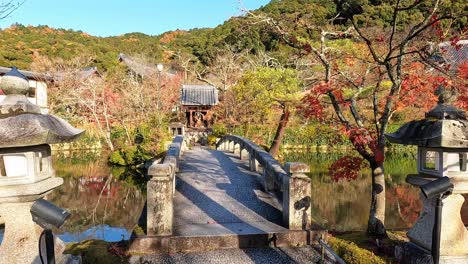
column 351, row 253
column 212, row 140
column 116, row 158
column 141, row 143
column 219, row 130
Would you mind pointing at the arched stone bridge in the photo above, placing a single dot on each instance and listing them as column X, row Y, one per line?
column 236, row 196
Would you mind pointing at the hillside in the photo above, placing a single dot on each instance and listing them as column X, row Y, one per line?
column 21, row 44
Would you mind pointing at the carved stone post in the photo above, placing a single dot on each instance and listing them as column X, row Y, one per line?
column 160, row 200
column 231, row 146
column 268, row 178
column 220, row 146
column 223, row 146
column 297, row 197
column 244, row 154
column 236, row 150
column 253, row 163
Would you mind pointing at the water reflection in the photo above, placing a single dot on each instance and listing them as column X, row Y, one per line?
column 106, row 202
column 344, row 205
column 103, row 205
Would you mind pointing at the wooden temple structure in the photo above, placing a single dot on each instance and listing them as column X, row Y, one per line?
column 197, row 102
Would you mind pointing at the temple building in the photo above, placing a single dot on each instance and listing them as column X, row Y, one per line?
column 197, row 102
column 37, row 93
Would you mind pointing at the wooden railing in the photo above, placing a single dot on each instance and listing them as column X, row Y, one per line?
column 289, row 183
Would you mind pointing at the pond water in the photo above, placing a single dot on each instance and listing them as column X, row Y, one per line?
column 344, row 205
column 105, row 203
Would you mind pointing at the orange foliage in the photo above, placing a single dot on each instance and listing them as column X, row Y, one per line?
column 417, row 89
column 407, row 199
column 461, row 85
column 169, row 36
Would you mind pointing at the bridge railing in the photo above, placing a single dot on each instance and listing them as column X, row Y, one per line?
column 161, row 189
column 290, row 182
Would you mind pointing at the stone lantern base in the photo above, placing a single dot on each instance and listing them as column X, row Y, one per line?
column 410, row 253
column 454, row 235
column 21, row 239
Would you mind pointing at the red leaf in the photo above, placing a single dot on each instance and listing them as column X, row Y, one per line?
column 347, row 168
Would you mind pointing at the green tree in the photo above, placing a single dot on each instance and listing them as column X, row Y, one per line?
column 265, row 90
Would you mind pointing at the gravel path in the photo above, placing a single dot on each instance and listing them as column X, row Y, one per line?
column 302, row 255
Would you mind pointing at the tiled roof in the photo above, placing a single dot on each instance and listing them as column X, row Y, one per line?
column 450, row 54
column 83, row 74
column 87, row 72
column 141, row 68
column 199, row 95
column 29, row 74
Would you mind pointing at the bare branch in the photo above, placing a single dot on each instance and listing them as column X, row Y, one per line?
column 368, row 43
column 6, row 9
column 413, row 5
column 395, row 14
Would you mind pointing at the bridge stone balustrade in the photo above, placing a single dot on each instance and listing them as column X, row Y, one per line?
column 161, row 189
column 291, row 182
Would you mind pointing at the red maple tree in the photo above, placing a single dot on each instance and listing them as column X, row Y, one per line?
column 360, row 90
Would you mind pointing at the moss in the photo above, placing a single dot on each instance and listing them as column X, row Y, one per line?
column 351, row 253
column 384, row 248
column 397, row 236
column 95, row 251
column 139, row 230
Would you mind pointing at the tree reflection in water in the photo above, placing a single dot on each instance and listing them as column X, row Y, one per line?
column 344, row 206
column 105, row 202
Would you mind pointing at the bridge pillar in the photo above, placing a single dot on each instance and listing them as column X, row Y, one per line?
column 253, row 163
column 159, row 200
column 231, row 146
column 222, row 146
column 225, row 146
column 269, row 179
column 244, row 154
column 236, row 148
column 297, row 195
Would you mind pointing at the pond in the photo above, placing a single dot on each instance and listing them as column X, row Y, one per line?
column 105, row 203
column 344, row 205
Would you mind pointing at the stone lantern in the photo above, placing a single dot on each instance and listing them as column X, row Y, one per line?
column 442, row 140
column 26, row 172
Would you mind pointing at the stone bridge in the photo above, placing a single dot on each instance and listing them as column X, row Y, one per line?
column 237, row 196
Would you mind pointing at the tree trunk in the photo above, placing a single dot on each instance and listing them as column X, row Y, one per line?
column 376, row 223
column 275, row 145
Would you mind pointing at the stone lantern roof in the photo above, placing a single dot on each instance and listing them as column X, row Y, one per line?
column 21, row 122
column 445, row 126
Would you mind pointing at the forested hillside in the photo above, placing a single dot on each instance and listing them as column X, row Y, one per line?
column 20, row 44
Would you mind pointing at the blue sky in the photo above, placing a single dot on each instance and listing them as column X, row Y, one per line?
column 109, row 18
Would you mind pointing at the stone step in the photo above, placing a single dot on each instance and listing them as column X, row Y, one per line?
column 187, row 244
column 230, row 228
